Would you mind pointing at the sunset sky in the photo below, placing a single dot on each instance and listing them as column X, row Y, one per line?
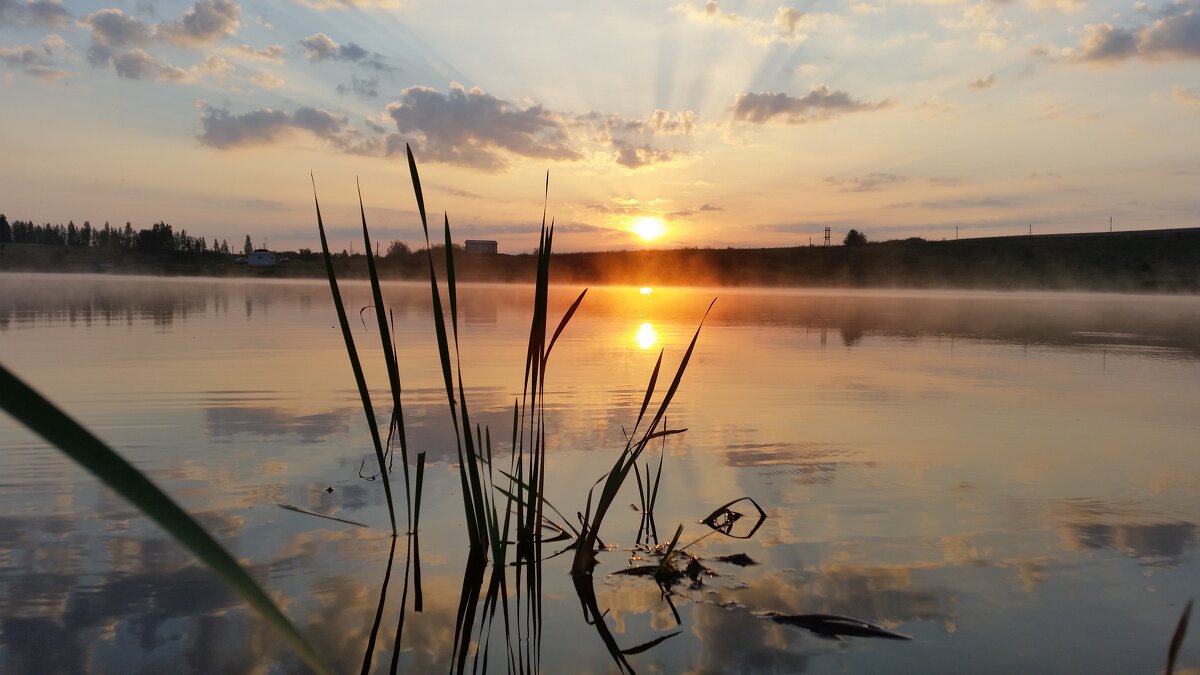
column 734, row 123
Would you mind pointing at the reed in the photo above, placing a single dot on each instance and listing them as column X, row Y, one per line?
column 352, row 352
column 584, row 561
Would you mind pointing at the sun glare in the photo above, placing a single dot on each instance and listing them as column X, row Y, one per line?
column 646, row 336
column 648, row 227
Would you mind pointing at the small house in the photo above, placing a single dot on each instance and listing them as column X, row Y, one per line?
column 481, row 246
column 261, row 257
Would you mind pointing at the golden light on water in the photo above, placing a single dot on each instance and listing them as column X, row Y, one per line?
column 646, row 336
column 646, row 290
column 648, row 227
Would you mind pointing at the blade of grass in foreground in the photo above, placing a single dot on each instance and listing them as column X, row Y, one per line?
column 52, row 424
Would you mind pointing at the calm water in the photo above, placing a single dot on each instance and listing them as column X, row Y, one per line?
column 1012, row 480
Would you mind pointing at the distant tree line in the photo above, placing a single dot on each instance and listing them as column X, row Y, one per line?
column 160, row 238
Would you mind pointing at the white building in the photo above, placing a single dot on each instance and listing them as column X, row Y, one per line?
column 261, row 257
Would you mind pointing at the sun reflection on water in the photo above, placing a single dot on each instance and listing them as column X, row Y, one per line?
column 646, row 336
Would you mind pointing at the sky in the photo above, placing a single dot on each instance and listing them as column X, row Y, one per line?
column 718, row 124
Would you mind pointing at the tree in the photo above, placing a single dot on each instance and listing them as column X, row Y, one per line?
column 854, row 238
column 5, row 230
column 248, row 247
column 397, row 249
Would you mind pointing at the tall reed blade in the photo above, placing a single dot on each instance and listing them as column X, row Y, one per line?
column 30, row 408
column 355, row 365
column 389, row 357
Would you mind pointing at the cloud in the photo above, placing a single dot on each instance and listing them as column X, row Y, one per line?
column 1186, row 97
column 1064, row 6
column 138, row 64
column 114, row 28
column 206, row 22
column 821, row 104
column 709, row 207
column 636, row 156
column 34, row 12
column 787, row 25
column 979, row 84
column 631, row 139
column 367, row 87
column 660, row 123
column 1175, row 35
column 36, row 61
column 273, row 53
column 1105, row 42
column 321, row 47
column 268, row 80
column 348, row 4
column 475, row 129
column 871, row 182
column 934, row 106
column 224, row 130
column 995, row 202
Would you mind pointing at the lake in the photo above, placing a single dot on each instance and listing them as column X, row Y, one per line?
column 1011, row 480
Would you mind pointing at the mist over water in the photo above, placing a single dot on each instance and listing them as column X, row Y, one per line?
column 1011, row 479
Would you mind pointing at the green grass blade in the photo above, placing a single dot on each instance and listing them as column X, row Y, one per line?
column 49, row 422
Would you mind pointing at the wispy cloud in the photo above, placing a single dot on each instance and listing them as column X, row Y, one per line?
column 320, row 47
column 820, row 104
column 367, row 87
column 37, row 61
column 1187, row 98
column 981, row 83
column 34, row 12
column 636, row 156
column 871, row 182
column 348, row 4
column 224, row 130
column 138, row 64
column 788, row 24
column 272, row 53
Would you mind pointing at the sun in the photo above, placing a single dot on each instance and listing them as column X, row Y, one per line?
column 648, row 227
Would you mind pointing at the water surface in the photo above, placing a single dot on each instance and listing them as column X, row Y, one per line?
column 1011, row 479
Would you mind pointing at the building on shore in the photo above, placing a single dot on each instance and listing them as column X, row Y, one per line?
column 481, row 246
column 261, row 257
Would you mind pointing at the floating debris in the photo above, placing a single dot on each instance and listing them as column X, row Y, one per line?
column 723, row 519
column 739, row 559
column 297, row 509
column 833, row 627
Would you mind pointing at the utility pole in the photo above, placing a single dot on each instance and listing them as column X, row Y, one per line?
column 827, row 236
column 955, row 233
column 1110, row 224
column 1031, row 229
